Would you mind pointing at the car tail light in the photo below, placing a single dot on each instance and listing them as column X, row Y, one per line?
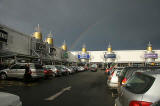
column 107, row 70
column 140, row 103
column 124, row 80
column 45, row 71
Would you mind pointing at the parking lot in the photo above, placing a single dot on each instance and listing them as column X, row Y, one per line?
column 80, row 89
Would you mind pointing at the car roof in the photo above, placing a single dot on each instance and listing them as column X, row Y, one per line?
column 27, row 63
column 131, row 71
column 155, row 73
column 49, row 65
column 143, row 67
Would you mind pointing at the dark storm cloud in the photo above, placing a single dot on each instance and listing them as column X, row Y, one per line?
column 125, row 24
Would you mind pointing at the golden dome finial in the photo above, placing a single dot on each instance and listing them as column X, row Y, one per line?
column 149, row 47
column 109, row 49
column 64, row 46
column 149, row 44
column 49, row 39
column 37, row 33
column 64, row 43
column 84, row 50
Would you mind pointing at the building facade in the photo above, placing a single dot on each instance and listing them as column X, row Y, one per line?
column 122, row 56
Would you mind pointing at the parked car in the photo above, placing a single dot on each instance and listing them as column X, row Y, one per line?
column 18, row 71
column 70, row 70
column 93, row 69
column 130, row 71
column 55, row 69
column 7, row 99
column 142, row 89
column 3, row 66
column 80, row 69
column 86, row 68
column 48, row 73
column 112, row 80
column 156, row 103
column 63, row 70
column 75, row 68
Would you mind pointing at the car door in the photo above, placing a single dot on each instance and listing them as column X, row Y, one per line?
column 132, row 90
column 12, row 72
column 37, row 70
column 20, row 71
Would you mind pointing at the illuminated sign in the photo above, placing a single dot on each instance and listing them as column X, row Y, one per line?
column 3, row 36
column 109, row 56
column 83, row 56
column 151, row 55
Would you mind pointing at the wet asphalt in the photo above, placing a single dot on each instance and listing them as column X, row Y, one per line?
column 81, row 89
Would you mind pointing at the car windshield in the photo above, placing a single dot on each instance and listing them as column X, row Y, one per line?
column 139, row 83
column 50, row 66
column 94, row 65
column 58, row 67
column 36, row 66
column 124, row 71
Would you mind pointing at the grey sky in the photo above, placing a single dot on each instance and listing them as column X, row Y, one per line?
column 126, row 24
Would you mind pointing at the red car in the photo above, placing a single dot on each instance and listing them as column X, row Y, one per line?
column 48, row 73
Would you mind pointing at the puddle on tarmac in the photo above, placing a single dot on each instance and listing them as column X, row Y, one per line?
column 6, row 83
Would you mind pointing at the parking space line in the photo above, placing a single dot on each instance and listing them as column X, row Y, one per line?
column 58, row 94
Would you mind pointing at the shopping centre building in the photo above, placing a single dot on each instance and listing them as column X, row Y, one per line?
column 119, row 56
column 15, row 46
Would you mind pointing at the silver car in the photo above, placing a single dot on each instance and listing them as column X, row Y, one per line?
column 7, row 99
column 18, row 71
column 70, row 70
column 142, row 89
column 63, row 69
column 80, row 69
column 55, row 69
column 112, row 81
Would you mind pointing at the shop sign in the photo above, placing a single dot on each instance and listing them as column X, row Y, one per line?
column 151, row 55
column 83, row 56
column 109, row 56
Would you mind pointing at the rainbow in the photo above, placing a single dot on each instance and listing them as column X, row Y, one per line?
column 82, row 34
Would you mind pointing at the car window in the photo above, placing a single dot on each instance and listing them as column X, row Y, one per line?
column 22, row 67
column 132, row 71
column 156, row 104
column 15, row 67
column 124, row 71
column 118, row 73
column 58, row 67
column 139, row 83
column 36, row 66
column 49, row 66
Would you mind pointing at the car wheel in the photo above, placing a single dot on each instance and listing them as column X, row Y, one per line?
column 3, row 76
